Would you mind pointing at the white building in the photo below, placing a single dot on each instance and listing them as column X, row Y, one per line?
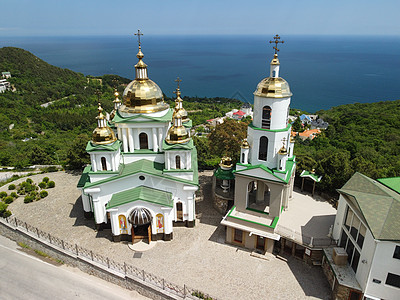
column 143, row 174
column 264, row 176
column 367, row 227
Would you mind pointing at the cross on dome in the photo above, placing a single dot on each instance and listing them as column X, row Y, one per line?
column 138, row 35
column 178, row 91
column 276, row 41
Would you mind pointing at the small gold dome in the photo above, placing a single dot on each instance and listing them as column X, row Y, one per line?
column 226, row 162
column 245, row 144
column 143, row 96
column 272, row 87
column 282, row 151
column 102, row 134
column 177, row 135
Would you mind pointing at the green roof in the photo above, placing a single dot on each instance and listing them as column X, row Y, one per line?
column 141, row 193
column 85, row 177
column 311, row 175
column 251, row 125
column 187, row 146
column 91, row 147
column 290, row 164
column 151, row 168
column 379, row 205
column 392, row 183
column 224, row 174
column 133, row 119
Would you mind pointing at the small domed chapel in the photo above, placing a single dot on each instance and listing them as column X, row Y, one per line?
column 143, row 173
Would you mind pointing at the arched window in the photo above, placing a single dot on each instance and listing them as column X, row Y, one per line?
column 144, row 143
column 177, row 162
column 266, row 117
column 262, row 151
column 258, row 196
column 103, row 163
column 243, row 158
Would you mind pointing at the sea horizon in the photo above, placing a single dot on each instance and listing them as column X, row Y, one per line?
column 322, row 71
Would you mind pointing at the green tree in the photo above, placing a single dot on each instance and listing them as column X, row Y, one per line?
column 226, row 138
column 77, row 156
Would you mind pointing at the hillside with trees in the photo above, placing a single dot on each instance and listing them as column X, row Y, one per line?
column 33, row 134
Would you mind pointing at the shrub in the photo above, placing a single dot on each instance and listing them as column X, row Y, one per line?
column 9, row 199
column 3, row 195
column 3, row 210
column 28, row 180
column 11, row 187
column 51, row 169
column 43, row 194
column 42, row 185
column 51, row 184
column 14, row 195
column 46, row 179
column 29, row 199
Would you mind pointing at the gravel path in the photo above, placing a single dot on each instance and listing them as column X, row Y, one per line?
column 197, row 257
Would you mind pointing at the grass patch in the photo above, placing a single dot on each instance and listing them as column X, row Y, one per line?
column 45, row 256
column 23, row 245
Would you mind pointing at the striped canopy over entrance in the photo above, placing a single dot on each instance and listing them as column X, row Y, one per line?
column 140, row 216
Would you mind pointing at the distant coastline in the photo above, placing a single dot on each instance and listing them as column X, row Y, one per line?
column 323, row 71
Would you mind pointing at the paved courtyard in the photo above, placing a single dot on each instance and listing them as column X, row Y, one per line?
column 197, row 257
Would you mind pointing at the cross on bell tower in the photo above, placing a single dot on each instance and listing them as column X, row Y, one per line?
column 138, row 35
column 276, row 41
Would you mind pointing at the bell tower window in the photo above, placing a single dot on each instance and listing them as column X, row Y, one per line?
column 266, row 117
column 103, row 163
column 263, row 148
column 143, row 140
column 177, row 162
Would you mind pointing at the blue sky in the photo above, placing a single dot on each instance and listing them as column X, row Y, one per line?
column 205, row 17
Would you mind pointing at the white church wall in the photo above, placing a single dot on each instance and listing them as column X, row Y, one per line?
column 130, row 158
column 107, row 189
column 275, row 142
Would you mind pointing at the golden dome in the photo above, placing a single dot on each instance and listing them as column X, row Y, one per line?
column 245, row 144
column 282, row 151
column 102, row 134
column 117, row 104
column 142, row 95
column 273, row 87
column 226, row 162
column 177, row 135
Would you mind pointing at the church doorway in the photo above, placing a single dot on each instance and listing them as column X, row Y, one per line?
column 140, row 219
column 179, row 211
column 260, row 244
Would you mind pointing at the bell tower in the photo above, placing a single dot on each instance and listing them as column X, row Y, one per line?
column 271, row 110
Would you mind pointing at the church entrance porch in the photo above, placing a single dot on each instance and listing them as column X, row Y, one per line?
column 140, row 219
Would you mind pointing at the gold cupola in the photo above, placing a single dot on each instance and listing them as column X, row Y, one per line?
column 142, row 95
column 245, row 144
column 177, row 133
column 274, row 86
column 178, row 104
column 117, row 103
column 102, row 134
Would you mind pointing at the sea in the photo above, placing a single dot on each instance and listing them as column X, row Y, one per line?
column 322, row 71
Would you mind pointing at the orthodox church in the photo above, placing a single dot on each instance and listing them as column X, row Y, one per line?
column 143, row 173
column 264, row 177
